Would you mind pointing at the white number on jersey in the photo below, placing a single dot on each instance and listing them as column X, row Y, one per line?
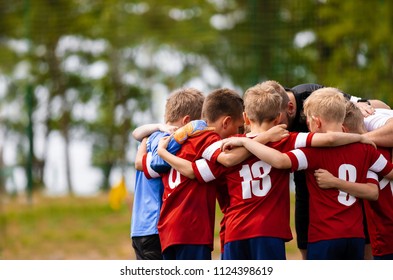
column 256, row 180
column 174, row 178
column 348, row 173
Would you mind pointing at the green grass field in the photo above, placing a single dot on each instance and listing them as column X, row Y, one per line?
column 74, row 228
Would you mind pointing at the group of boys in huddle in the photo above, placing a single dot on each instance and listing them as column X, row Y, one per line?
column 241, row 152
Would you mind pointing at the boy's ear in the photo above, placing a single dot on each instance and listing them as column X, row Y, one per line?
column 345, row 129
column 246, row 119
column 186, row 119
column 317, row 121
column 226, row 121
column 277, row 120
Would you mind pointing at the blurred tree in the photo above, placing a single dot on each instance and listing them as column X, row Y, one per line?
column 353, row 47
column 94, row 65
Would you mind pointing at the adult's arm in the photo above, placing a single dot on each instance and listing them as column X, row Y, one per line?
column 382, row 136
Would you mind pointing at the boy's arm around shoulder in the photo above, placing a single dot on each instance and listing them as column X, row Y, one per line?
column 142, row 150
column 269, row 155
column 145, row 130
column 382, row 136
column 181, row 165
column 237, row 155
column 334, row 139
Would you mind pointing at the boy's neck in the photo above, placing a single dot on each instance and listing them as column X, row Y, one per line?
column 177, row 123
column 332, row 127
column 258, row 128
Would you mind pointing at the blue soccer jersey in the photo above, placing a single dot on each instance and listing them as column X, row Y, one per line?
column 147, row 205
column 149, row 189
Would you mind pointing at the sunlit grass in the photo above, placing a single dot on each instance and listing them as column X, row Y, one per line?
column 74, row 228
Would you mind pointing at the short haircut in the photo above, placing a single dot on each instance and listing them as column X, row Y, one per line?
column 262, row 102
column 222, row 102
column 281, row 91
column 327, row 103
column 354, row 120
column 183, row 102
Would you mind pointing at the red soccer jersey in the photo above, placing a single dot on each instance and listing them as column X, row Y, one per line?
column 380, row 216
column 333, row 213
column 188, row 208
column 259, row 194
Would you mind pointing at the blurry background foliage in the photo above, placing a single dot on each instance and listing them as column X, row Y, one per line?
column 88, row 69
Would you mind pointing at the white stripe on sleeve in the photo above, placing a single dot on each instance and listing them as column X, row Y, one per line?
column 151, row 172
column 379, row 164
column 302, row 159
column 209, row 151
column 301, row 140
column 204, row 170
column 372, row 175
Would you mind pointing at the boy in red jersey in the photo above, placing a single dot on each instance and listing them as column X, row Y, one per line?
column 257, row 219
column 186, row 225
column 336, row 220
column 379, row 214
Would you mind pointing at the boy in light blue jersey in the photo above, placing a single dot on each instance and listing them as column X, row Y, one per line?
column 182, row 106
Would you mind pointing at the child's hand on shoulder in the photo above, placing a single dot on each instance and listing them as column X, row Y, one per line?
column 231, row 142
column 277, row 132
column 168, row 128
column 163, row 143
column 364, row 139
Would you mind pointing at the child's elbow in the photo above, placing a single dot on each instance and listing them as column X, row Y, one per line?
column 138, row 165
column 374, row 196
column 191, row 175
column 282, row 163
column 225, row 162
column 136, row 136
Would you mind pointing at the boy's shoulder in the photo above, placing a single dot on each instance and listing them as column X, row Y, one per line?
column 206, row 136
column 157, row 135
column 154, row 138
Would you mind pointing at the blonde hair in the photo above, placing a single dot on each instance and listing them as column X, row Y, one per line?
column 354, row 120
column 262, row 103
column 281, row 91
column 327, row 103
column 183, row 102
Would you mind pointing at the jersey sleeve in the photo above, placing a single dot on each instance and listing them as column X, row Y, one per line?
column 212, row 152
column 153, row 164
column 372, row 178
column 147, row 170
column 378, row 119
column 298, row 159
column 303, row 139
column 207, row 171
column 381, row 165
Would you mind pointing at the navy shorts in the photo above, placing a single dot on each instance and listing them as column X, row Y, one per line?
column 259, row 248
column 187, row 252
column 336, row 249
